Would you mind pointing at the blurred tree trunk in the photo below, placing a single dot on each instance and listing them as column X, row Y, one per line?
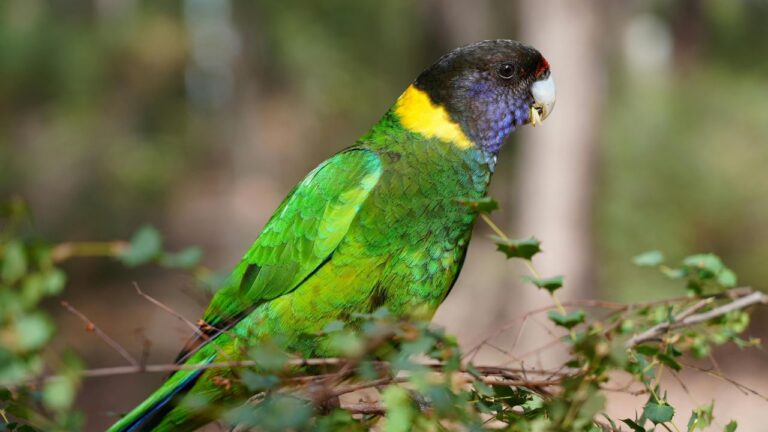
column 556, row 167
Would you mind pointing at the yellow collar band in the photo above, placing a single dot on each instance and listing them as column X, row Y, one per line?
column 418, row 114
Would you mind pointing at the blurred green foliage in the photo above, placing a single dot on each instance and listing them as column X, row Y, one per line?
column 38, row 385
column 28, row 275
column 92, row 109
column 105, row 107
column 683, row 154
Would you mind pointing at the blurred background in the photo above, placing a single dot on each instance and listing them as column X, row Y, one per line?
column 198, row 116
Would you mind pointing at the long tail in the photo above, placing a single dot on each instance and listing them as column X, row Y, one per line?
column 150, row 415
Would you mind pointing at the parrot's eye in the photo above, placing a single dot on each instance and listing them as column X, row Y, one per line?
column 506, row 71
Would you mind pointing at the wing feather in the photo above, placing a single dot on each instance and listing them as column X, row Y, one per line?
column 300, row 237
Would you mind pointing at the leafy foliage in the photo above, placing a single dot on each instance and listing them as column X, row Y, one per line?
column 416, row 376
column 35, row 390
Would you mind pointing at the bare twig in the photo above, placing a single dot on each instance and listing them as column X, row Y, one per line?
column 162, row 306
column 687, row 318
column 363, row 407
column 365, row 385
column 91, row 327
column 173, row 367
column 717, row 374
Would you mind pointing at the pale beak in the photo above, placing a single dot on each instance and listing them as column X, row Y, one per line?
column 543, row 92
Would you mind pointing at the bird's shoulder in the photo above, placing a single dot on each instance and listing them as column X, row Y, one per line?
column 301, row 235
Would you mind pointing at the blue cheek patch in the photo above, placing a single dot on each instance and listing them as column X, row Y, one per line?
column 492, row 115
column 521, row 114
column 499, row 121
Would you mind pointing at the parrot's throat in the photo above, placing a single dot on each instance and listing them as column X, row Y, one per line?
column 490, row 115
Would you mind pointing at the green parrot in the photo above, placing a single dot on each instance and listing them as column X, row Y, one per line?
column 379, row 224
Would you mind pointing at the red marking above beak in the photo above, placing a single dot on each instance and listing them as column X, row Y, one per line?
column 541, row 68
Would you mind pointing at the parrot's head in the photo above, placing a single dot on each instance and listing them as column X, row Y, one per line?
column 487, row 89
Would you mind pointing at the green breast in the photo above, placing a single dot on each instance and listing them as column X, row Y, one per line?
column 414, row 218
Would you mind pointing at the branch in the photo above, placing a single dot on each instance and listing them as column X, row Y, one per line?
column 323, row 389
column 162, row 306
column 689, row 318
column 491, row 375
column 64, row 251
column 91, row 327
column 364, row 407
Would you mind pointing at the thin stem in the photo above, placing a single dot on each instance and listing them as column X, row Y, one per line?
column 528, row 263
column 555, row 300
column 65, row 251
column 494, row 227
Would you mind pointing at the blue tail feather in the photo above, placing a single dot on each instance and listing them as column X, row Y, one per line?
column 150, row 416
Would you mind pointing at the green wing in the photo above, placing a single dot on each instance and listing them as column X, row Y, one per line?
column 299, row 238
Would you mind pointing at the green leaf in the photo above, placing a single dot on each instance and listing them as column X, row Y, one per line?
column 610, row 421
column 568, row 320
column 268, row 356
column 692, row 421
column 669, row 361
column 400, row 409
column 348, row 343
column 649, row 259
column 32, row 289
column 550, row 284
column 184, row 259
column 709, row 262
column 54, row 281
column 648, row 350
column 146, row 245
column 731, row 426
column 483, row 389
column 257, row 382
column 701, row 417
column 591, row 406
column 277, row 412
column 483, row 205
column 658, row 412
column 694, row 288
column 59, row 393
column 632, row 424
column 511, row 396
column 32, row 331
column 727, row 278
column 626, row 326
column 524, row 248
column 472, row 370
column 14, row 262
column 674, row 273
column 333, row 326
